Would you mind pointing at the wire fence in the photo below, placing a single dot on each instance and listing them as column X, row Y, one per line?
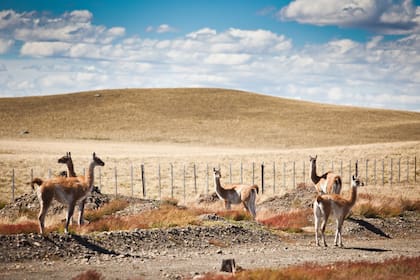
column 181, row 180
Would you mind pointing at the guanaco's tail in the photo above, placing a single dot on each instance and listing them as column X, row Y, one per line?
column 37, row 181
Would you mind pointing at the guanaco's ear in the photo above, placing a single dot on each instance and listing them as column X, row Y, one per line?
column 69, row 154
column 94, row 155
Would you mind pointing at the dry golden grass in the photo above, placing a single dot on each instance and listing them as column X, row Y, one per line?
column 201, row 116
column 396, row 268
column 205, row 127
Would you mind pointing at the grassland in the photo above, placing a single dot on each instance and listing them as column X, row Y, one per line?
column 205, row 127
column 213, row 117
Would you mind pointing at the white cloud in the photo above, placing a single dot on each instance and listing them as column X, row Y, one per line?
column 382, row 16
column 5, row 45
column 73, row 27
column 165, row 28
column 382, row 73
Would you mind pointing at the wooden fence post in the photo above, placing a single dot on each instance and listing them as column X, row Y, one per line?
column 383, row 172
column 143, row 180
column 366, row 172
column 284, row 174
column 399, row 170
column 341, row 168
column 294, row 175
column 415, row 169
column 262, row 177
column 303, row 173
column 116, row 182
column 195, row 178
column 374, row 172
column 391, row 174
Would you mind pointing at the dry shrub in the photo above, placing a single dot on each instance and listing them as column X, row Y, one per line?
column 107, row 209
column 292, row 221
column 396, row 268
column 371, row 206
column 89, row 275
column 166, row 216
column 22, row 227
column 235, row 215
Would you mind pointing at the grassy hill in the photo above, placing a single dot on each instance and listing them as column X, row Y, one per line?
column 201, row 116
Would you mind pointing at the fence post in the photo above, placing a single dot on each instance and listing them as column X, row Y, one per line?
column 172, row 181
column 408, row 169
column 13, row 185
column 303, row 173
column 399, row 170
column 143, row 180
column 350, row 171
column 116, row 182
column 274, row 177
column 367, row 164
column 374, row 172
column 391, row 174
column 195, row 178
column 262, row 177
column 294, row 175
column 383, row 172
column 284, row 174
column 32, row 174
column 415, row 169
column 49, row 173
column 341, row 168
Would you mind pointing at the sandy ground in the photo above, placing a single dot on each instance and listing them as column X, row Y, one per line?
column 190, row 262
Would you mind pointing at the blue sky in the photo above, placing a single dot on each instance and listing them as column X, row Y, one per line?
column 347, row 52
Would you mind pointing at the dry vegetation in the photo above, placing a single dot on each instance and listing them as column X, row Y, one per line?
column 397, row 268
column 201, row 116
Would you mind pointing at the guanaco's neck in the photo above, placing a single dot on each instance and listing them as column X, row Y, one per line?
column 353, row 196
column 91, row 176
column 70, row 167
column 219, row 190
column 315, row 178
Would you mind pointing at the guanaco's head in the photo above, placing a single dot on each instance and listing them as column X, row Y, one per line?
column 97, row 160
column 356, row 182
column 313, row 159
column 65, row 159
column 217, row 173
